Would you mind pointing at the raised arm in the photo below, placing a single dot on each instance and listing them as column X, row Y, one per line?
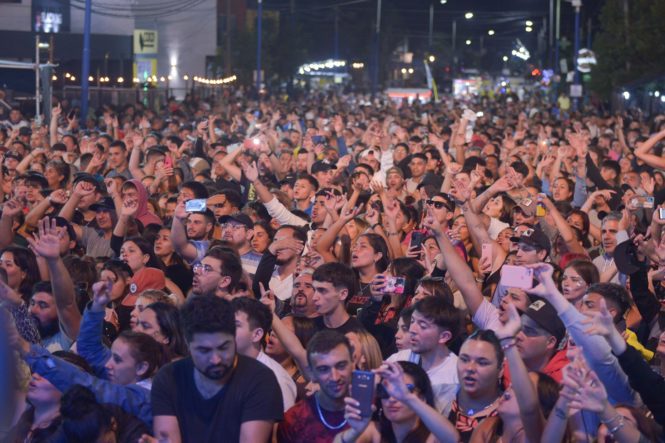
column 563, row 227
column 135, row 158
column 10, row 210
column 643, row 151
column 229, row 163
column 53, row 124
column 179, row 238
column 525, row 392
column 46, row 243
column 457, row 268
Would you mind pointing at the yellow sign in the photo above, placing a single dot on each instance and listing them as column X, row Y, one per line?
column 145, row 41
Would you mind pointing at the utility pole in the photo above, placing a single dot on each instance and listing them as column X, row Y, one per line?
column 377, row 48
column 85, row 68
column 336, row 42
column 558, row 35
column 431, row 25
column 258, row 46
column 37, row 75
column 577, row 4
column 550, row 30
column 227, row 43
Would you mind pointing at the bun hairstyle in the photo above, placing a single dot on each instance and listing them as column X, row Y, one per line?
column 83, row 419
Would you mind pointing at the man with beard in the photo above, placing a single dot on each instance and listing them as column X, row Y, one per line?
column 609, row 228
column 218, row 273
column 302, row 304
column 238, row 229
column 215, row 394
column 190, row 232
column 320, row 417
column 53, row 304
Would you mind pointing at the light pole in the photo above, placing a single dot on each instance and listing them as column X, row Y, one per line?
column 85, row 68
column 377, row 46
column 431, row 25
column 576, row 76
column 259, row 17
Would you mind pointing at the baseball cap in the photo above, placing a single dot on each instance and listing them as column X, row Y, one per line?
column 321, row 166
column 625, row 257
column 36, row 177
column 237, row 218
column 544, row 314
column 527, row 206
column 147, row 278
column 25, row 131
column 395, row 170
column 534, row 237
column 105, row 204
column 14, row 154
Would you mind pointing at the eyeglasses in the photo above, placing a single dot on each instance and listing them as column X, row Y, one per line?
column 528, row 232
column 437, row 204
column 231, row 226
column 202, row 269
column 382, row 394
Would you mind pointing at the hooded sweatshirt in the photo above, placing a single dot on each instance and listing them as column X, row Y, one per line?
column 143, row 215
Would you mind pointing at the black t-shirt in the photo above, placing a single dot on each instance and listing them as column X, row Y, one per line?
column 351, row 325
column 252, row 393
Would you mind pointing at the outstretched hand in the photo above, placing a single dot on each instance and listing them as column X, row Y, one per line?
column 46, row 242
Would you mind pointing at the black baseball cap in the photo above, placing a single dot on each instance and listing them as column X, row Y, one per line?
column 321, row 166
column 534, row 237
column 238, row 218
column 544, row 314
column 105, row 204
column 96, row 180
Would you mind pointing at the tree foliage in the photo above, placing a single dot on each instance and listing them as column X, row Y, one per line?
column 629, row 46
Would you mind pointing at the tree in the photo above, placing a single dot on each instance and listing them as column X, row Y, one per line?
column 628, row 46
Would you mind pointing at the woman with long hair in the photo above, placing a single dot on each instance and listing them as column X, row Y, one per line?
column 576, row 278
column 22, row 270
column 405, row 402
column 175, row 268
column 161, row 321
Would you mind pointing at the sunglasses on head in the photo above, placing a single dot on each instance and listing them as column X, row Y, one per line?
column 382, row 394
column 526, row 233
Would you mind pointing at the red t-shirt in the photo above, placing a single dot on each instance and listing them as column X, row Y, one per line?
column 302, row 424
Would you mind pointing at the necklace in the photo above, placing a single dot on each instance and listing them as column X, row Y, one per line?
column 471, row 411
column 323, row 420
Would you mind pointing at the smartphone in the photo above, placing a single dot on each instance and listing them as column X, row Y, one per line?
column 395, row 285
column 195, row 205
column 486, row 252
column 643, row 202
column 516, row 277
column 362, row 390
column 168, row 162
column 417, row 238
column 316, row 139
column 233, row 147
column 661, row 213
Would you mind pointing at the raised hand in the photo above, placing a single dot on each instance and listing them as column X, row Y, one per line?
column 599, row 323
column 101, row 294
column 251, row 171
column 430, row 221
column 180, row 211
column 84, row 188
column 46, row 242
column 543, row 273
column 59, row 197
column 512, row 325
column 267, row 297
column 129, row 208
column 12, row 208
column 393, row 380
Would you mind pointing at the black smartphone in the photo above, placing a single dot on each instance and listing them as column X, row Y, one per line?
column 417, row 238
column 362, row 390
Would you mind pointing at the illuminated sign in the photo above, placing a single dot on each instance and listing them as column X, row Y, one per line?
column 50, row 16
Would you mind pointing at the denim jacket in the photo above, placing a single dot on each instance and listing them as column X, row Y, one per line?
column 133, row 399
column 89, row 344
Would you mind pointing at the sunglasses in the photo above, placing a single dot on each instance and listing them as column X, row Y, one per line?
column 437, row 204
column 382, row 394
column 526, row 233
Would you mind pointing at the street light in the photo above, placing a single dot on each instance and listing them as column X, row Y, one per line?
column 505, row 58
column 528, row 29
column 431, row 58
column 490, row 32
column 468, row 15
column 443, row 2
column 468, row 42
column 410, row 70
column 529, row 23
column 403, row 70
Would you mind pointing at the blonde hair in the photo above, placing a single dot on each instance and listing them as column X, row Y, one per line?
column 370, row 350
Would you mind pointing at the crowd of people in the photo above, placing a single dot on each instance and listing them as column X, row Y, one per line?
column 219, row 269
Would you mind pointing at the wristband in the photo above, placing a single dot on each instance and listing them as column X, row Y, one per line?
column 508, row 345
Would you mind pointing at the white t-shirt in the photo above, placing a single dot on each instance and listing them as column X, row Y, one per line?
column 286, row 383
column 282, row 288
column 443, row 378
column 487, row 316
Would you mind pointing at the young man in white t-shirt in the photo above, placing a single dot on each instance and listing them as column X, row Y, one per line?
column 253, row 320
column 434, row 324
